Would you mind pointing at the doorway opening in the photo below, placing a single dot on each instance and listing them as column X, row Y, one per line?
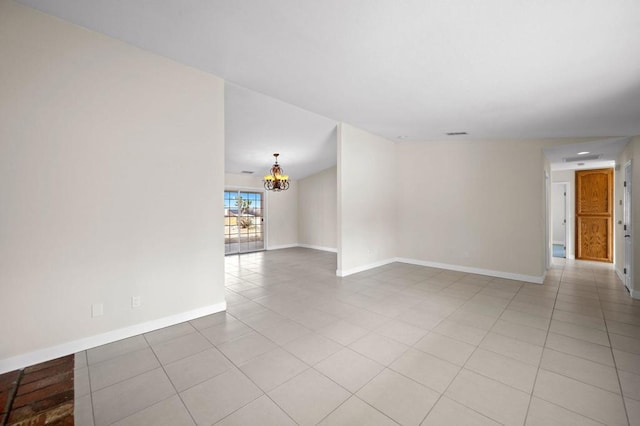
column 559, row 210
column 243, row 221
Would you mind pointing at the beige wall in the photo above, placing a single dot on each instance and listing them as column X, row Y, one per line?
column 281, row 220
column 110, row 175
column 631, row 153
column 317, row 210
column 366, row 200
column 473, row 204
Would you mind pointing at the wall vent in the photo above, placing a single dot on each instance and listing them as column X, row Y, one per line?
column 581, row 158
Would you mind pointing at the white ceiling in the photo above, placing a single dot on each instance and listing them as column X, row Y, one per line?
column 496, row 69
column 563, row 157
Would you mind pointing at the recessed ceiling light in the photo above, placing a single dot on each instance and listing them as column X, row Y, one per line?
column 402, row 137
column 583, row 152
column 456, row 133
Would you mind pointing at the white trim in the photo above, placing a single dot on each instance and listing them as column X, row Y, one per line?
column 312, row 246
column 282, row 246
column 620, row 275
column 347, row 272
column 41, row 355
column 635, row 294
column 499, row 274
column 557, row 243
column 570, row 256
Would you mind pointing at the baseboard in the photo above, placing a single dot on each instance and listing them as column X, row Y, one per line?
column 312, row 246
column 46, row 354
column 620, row 274
column 471, row 270
column 282, row 246
column 347, row 272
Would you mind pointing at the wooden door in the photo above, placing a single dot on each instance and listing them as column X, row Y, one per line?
column 594, row 215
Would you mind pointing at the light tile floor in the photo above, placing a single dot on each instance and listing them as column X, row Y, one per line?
column 401, row 344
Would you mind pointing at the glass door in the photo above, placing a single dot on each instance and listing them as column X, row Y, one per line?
column 243, row 221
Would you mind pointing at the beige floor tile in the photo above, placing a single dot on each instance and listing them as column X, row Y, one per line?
column 211, row 320
column 579, row 332
column 284, row 332
column 630, row 383
column 180, row 347
column 401, row 331
column 627, row 361
column 623, row 329
column 426, row 369
column 273, row 368
column 220, row 396
column 130, row 396
column 624, row 343
column 583, row 320
column 367, row 319
column 309, row 397
column 445, row 348
column 261, row 411
column 80, row 360
column 533, row 309
column 121, row 368
column 512, row 348
column 543, row 413
column 464, row 333
column 168, row 333
column 584, row 399
column 356, row 412
column 83, row 410
column 312, row 348
column 115, row 349
column 400, row 398
column 493, row 399
column 349, row 369
column 503, row 369
column 580, row 348
column 261, row 320
column 343, row 332
column 473, row 319
column 633, row 411
column 379, row 348
column 81, row 385
column 525, row 318
column 170, row 412
column 532, row 335
column 589, row 372
column 448, row 412
column 246, row 347
column 225, row 331
column 421, row 318
column 197, row 368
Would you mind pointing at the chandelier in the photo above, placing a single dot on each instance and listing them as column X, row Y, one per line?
column 276, row 180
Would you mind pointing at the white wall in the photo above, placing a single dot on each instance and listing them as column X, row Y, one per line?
column 281, row 221
column 366, row 200
column 111, row 164
column 476, row 205
column 317, row 210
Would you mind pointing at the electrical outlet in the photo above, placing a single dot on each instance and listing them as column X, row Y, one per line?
column 97, row 310
column 135, row 302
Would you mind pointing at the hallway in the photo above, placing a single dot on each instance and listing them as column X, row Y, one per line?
column 401, row 344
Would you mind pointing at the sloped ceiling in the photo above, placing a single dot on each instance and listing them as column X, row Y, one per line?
column 497, row 69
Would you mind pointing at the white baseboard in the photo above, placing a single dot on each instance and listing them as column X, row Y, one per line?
column 282, row 246
column 471, row 270
column 620, row 274
column 46, row 354
column 347, row 272
column 311, row 246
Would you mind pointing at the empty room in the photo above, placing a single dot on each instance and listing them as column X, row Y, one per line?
column 336, row 213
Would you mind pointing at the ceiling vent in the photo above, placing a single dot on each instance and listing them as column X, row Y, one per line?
column 456, row 133
column 247, row 172
column 581, row 158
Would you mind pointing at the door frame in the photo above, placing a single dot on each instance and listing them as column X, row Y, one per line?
column 627, row 219
column 566, row 185
column 265, row 212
